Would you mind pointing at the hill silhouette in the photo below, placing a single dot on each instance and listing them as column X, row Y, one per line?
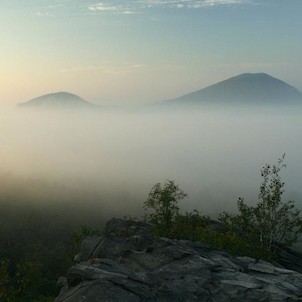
column 57, row 100
column 245, row 88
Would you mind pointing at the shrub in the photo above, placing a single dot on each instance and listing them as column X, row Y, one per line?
column 163, row 201
column 187, row 226
column 271, row 221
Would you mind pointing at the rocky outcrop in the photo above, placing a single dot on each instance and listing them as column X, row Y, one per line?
column 289, row 258
column 127, row 264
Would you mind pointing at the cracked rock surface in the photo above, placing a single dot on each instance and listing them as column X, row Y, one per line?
column 126, row 264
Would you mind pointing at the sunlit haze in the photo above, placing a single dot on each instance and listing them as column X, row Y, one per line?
column 139, row 51
column 134, row 52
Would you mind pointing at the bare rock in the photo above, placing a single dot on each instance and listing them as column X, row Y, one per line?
column 127, row 264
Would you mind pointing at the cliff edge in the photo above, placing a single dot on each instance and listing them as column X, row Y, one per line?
column 127, row 264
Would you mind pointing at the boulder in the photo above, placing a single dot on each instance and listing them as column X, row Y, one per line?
column 127, row 264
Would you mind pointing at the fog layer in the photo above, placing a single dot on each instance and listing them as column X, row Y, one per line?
column 110, row 160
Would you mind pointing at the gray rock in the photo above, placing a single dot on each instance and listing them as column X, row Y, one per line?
column 289, row 258
column 61, row 282
column 88, row 247
column 127, row 264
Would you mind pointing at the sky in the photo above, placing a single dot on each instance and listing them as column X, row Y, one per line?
column 139, row 51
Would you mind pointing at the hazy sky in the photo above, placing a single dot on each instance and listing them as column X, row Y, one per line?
column 134, row 51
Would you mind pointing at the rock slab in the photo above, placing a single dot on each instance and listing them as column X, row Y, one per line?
column 127, row 264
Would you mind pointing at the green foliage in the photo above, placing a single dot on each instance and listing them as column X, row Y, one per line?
column 252, row 232
column 8, row 286
column 14, row 284
column 188, row 226
column 163, row 201
column 31, row 264
column 34, row 252
column 31, row 281
column 271, row 220
column 234, row 243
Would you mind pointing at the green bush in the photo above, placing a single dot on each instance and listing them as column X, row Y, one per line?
column 253, row 232
column 187, row 226
column 234, row 244
column 271, row 221
column 163, row 201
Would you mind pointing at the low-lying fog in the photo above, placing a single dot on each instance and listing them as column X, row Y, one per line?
column 109, row 160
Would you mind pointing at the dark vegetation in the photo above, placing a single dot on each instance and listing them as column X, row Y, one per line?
column 38, row 247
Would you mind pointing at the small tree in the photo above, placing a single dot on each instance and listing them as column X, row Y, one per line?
column 163, row 200
column 272, row 220
column 278, row 221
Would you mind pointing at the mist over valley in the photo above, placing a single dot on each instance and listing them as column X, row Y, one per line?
column 111, row 158
column 150, row 150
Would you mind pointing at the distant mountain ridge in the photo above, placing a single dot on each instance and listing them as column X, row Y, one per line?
column 57, row 100
column 244, row 88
